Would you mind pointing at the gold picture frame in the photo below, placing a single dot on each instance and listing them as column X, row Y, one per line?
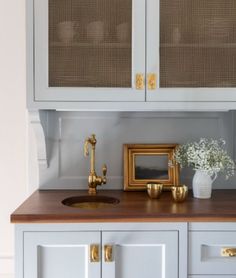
column 158, row 168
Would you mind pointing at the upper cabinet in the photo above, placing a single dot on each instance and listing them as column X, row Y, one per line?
column 131, row 54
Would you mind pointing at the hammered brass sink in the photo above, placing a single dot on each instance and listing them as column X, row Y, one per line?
column 90, row 202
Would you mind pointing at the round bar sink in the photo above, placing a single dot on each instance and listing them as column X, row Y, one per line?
column 90, row 202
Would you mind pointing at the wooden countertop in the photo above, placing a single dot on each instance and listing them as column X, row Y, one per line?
column 46, row 207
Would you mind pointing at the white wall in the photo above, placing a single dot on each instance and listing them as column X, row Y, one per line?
column 13, row 179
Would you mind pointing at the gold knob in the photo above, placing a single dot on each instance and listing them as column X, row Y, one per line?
column 108, row 253
column 139, row 81
column 228, row 252
column 152, row 81
column 94, row 253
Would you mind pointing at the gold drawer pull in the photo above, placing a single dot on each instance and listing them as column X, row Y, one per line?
column 228, row 252
column 94, row 253
column 152, row 81
column 108, row 253
column 139, row 81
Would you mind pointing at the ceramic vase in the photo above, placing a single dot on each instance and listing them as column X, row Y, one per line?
column 202, row 184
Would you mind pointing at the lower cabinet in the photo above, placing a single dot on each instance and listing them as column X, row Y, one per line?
column 126, row 250
column 212, row 250
column 54, row 253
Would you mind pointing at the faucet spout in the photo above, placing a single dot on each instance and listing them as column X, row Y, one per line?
column 92, row 141
column 93, row 179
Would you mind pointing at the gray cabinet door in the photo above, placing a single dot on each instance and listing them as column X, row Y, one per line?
column 191, row 50
column 89, row 50
column 141, row 254
column 60, row 255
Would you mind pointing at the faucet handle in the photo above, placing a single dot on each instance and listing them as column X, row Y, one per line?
column 104, row 170
column 86, row 151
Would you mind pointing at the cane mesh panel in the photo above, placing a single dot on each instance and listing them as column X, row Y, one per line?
column 198, row 43
column 90, row 43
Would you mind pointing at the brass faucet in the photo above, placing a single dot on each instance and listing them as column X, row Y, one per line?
column 93, row 179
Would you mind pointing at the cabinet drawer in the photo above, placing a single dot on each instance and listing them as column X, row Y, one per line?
column 205, row 252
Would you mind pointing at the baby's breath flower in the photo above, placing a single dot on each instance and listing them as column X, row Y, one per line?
column 206, row 155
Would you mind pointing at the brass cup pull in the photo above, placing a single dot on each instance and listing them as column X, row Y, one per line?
column 228, row 252
column 94, row 253
column 108, row 253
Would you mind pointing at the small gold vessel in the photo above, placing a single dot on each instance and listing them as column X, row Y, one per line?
column 179, row 193
column 154, row 190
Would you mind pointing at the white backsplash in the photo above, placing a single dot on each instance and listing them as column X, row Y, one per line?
column 66, row 131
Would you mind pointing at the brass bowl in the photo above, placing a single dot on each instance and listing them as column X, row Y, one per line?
column 179, row 193
column 154, row 190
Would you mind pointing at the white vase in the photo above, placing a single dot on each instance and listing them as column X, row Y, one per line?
column 202, row 184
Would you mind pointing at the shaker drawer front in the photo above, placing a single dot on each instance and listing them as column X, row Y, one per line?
column 212, row 252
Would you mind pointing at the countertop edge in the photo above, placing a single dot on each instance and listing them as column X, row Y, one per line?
column 29, row 220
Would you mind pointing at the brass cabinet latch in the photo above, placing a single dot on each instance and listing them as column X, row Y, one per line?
column 108, row 253
column 94, row 253
column 152, row 81
column 139, row 81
